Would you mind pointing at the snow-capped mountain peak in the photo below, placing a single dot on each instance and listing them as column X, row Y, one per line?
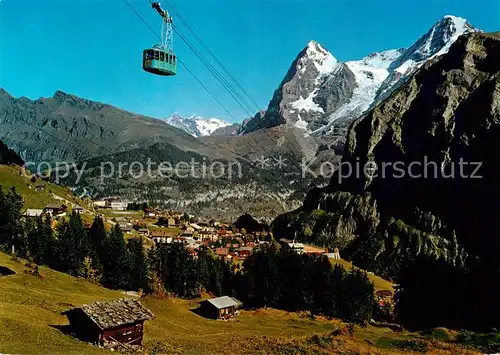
column 314, row 47
column 380, row 60
column 207, row 126
column 437, row 41
column 323, row 60
column 369, row 73
column 456, row 26
column 320, row 93
column 196, row 125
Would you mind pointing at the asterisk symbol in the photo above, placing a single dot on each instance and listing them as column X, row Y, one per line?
column 262, row 162
column 280, row 162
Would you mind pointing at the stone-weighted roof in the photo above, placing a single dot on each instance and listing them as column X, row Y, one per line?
column 111, row 314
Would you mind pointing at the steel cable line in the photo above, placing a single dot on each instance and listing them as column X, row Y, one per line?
column 225, row 69
column 180, row 61
column 212, row 70
column 294, row 159
column 220, row 78
column 209, row 51
column 195, row 77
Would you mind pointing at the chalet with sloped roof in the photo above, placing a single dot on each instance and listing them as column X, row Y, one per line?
column 55, row 208
column 120, row 321
column 222, row 308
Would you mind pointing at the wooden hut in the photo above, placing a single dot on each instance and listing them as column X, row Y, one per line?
column 55, row 208
column 219, row 308
column 119, row 321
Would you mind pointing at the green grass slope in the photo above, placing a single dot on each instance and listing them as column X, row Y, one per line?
column 35, row 194
column 379, row 283
column 31, row 307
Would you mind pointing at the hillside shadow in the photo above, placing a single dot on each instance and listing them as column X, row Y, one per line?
column 5, row 271
column 197, row 311
column 65, row 329
column 68, row 329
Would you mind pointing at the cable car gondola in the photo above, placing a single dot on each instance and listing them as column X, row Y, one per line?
column 160, row 59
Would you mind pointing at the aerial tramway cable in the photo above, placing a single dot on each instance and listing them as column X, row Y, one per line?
column 209, row 51
column 225, row 84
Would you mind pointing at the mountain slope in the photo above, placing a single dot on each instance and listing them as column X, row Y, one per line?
column 446, row 113
column 197, row 126
column 35, row 192
column 369, row 73
column 32, row 306
column 230, row 130
column 68, row 128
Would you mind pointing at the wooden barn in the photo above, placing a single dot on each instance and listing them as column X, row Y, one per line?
column 119, row 321
column 219, row 308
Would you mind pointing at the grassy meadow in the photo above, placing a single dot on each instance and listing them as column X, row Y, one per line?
column 31, row 321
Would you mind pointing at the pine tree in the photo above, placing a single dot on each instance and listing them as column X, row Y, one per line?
column 12, row 236
column 359, row 296
column 116, row 264
column 261, row 285
column 47, row 241
column 73, row 245
column 323, row 287
column 97, row 236
column 31, row 230
column 177, row 269
column 138, row 264
column 336, row 303
column 40, row 240
column 293, row 280
column 228, row 278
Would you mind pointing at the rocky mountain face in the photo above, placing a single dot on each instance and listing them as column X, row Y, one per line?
column 319, row 96
column 323, row 96
column 199, row 126
column 424, row 179
column 316, row 84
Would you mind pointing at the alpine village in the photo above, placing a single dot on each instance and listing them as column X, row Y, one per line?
column 243, row 252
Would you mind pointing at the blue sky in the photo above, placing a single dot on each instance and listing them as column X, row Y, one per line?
column 93, row 48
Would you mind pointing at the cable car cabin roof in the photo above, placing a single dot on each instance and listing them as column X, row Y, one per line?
column 159, row 62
